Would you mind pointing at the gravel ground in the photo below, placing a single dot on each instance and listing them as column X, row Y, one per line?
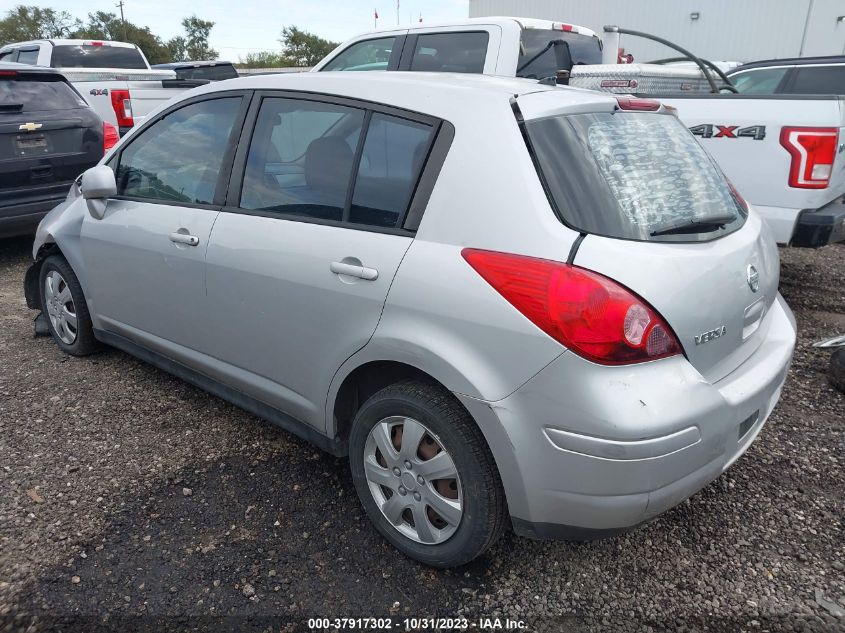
column 130, row 500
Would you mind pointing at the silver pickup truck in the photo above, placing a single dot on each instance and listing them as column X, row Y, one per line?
column 114, row 77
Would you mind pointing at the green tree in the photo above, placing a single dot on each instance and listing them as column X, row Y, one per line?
column 108, row 26
column 196, row 46
column 301, row 48
column 263, row 59
column 23, row 23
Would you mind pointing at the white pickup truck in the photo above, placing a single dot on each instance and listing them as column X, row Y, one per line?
column 114, row 77
column 782, row 152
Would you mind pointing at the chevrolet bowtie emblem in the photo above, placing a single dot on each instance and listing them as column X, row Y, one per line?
column 29, row 127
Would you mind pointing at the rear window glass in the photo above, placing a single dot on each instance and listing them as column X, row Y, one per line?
column 88, row 56
column 212, row 73
column 542, row 52
column 23, row 94
column 633, row 176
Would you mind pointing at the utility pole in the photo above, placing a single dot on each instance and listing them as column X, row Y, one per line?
column 122, row 19
column 397, row 12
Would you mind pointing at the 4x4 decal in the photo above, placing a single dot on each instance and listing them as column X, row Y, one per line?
column 709, row 130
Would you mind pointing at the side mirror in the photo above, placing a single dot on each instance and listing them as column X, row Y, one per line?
column 98, row 184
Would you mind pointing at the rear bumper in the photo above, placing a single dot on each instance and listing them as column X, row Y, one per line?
column 821, row 227
column 586, row 451
column 19, row 217
column 806, row 228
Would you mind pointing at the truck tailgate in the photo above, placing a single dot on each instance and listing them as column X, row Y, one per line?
column 742, row 133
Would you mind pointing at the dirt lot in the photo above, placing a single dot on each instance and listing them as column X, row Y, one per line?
column 132, row 501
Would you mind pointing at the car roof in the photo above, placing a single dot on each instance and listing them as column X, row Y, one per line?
column 192, row 64
column 448, row 96
column 66, row 42
column 528, row 23
column 791, row 61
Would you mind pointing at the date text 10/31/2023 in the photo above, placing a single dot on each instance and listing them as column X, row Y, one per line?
column 416, row 624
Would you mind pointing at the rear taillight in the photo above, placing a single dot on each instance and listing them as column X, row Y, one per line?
column 641, row 105
column 122, row 105
column 110, row 136
column 590, row 314
column 813, row 150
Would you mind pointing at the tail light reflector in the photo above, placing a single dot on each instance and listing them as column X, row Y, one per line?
column 122, row 105
column 641, row 105
column 813, row 150
column 110, row 136
column 588, row 313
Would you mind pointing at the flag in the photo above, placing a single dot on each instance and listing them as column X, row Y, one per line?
column 376, row 14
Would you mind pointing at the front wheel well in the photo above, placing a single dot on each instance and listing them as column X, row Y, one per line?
column 33, row 273
column 363, row 382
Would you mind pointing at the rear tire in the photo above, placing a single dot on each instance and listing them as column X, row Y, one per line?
column 449, row 518
column 63, row 303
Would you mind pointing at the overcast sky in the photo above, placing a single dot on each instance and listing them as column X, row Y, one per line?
column 244, row 26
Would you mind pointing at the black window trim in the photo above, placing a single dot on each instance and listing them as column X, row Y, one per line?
column 411, row 44
column 408, row 222
column 223, row 176
column 395, row 52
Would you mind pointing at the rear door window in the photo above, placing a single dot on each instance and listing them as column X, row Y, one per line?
column 764, row 81
column 29, row 93
column 458, row 52
column 392, row 157
column 96, row 56
column 818, row 80
column 301, row 158
column 323, row 161
column 633, row 176
column 372, row 54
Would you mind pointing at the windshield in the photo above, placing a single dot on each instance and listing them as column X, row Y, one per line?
column 536, row 44
column 99, row 56
column 634, row 176
column 23, row 93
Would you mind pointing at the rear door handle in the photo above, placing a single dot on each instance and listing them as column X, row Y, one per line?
column 351, row 270
column 183, row 238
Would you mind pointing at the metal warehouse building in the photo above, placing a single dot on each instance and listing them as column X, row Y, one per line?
column 737, row 30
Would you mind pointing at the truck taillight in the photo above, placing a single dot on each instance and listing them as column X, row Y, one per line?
column 122, row 105
column 110, row 136
column 813, row 150
column 592, row 315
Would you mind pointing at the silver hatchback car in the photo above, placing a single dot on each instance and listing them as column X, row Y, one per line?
column 507, row 303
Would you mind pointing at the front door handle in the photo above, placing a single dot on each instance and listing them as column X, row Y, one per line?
column 351, row 270
column 184, row 238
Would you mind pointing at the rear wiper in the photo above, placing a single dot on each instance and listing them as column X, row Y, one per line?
column 702, row 225
column 11, row 107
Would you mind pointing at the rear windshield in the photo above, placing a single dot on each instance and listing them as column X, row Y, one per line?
column 23, row 93
column 212, row 73
column 633, row 176
column 102, row 56
column 540, row 56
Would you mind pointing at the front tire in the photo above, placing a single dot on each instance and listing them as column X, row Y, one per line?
column 425, row 474
column 64, row 305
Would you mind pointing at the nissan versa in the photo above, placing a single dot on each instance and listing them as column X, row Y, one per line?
column 506, row 302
